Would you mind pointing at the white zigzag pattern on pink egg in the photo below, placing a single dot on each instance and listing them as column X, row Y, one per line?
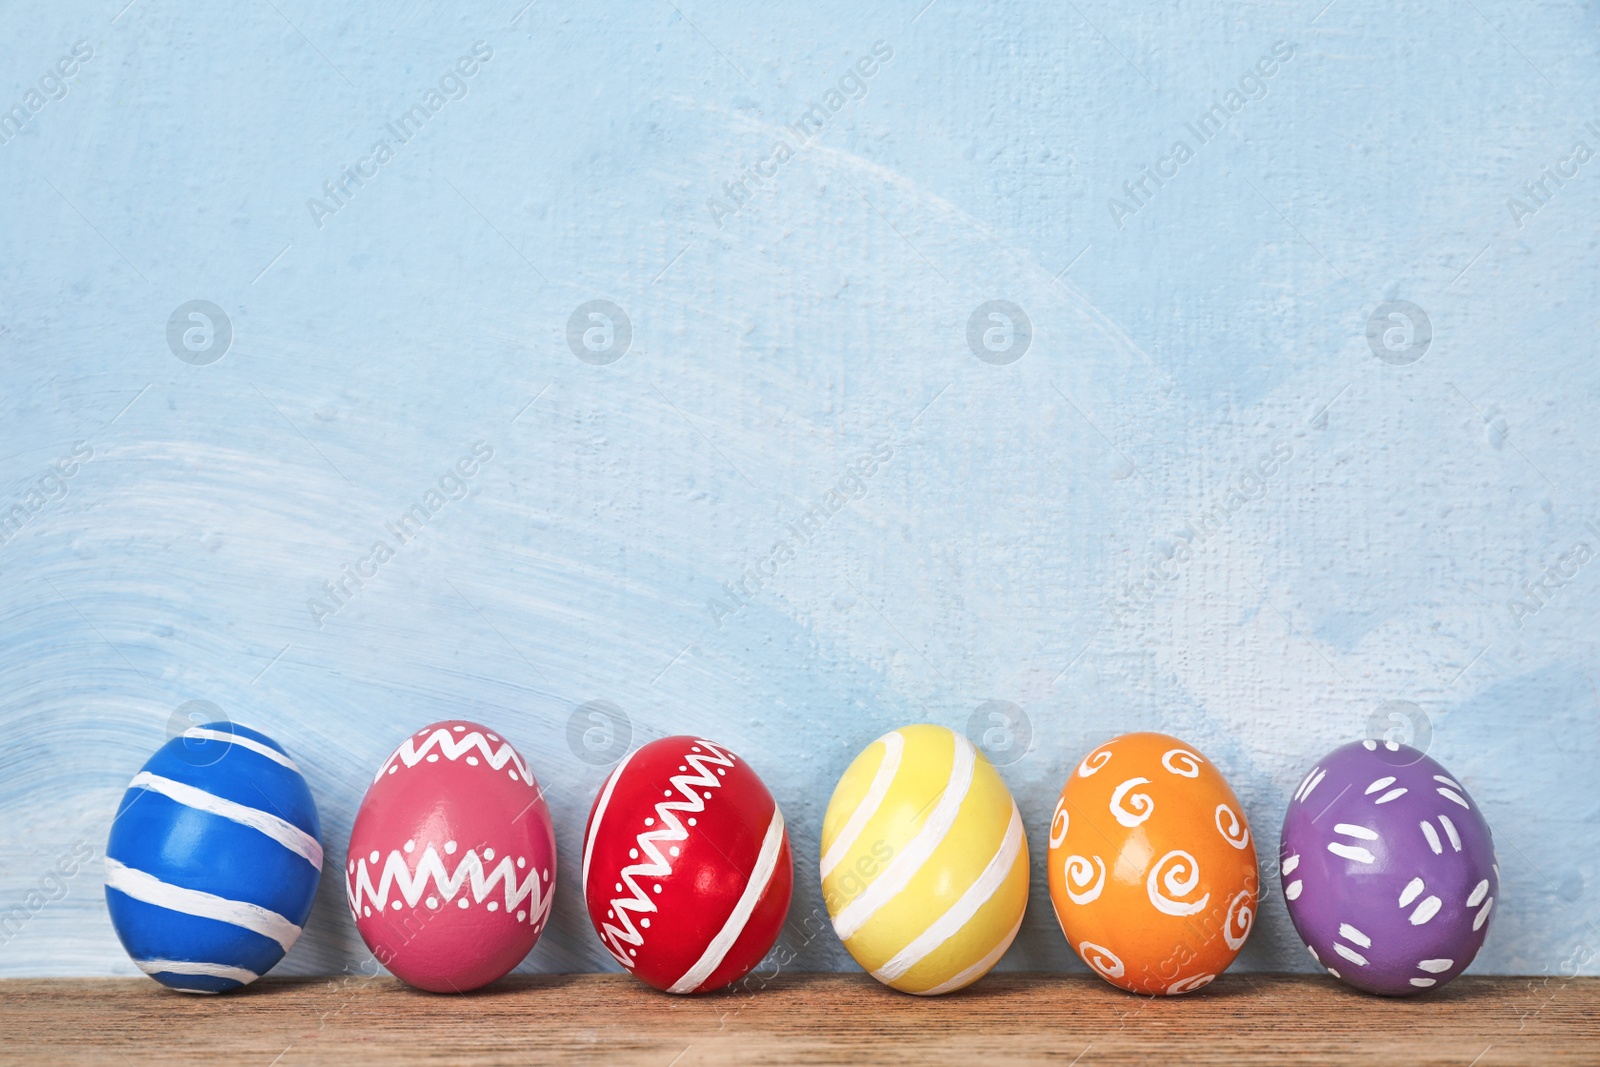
column 431, row 872
column 453, row 747
column 617, row 938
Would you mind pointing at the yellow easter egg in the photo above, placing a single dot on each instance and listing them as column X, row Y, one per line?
column 924, row 861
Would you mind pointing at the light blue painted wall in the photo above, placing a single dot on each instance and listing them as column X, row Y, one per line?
column 988, row 559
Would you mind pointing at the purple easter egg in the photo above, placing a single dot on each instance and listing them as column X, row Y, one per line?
column 1388, row 869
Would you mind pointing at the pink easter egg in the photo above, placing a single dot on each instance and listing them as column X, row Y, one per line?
column 452, row 860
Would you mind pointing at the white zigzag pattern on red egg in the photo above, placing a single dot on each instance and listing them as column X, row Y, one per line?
column 431, row 872
column 453, row 747
column 618, row 938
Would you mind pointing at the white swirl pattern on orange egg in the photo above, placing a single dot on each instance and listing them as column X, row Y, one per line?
column 1059, row 824
column 1156, row 878
column 1129, row 808
column 1241, row 917
column 1081, row 873
column 1093, row 762
column 1176, row 873
column 1235, row 832
column 1191, row 762
column 1189, row 985
column 1101, row 959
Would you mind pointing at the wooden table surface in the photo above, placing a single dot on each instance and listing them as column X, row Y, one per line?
column 606, row 1019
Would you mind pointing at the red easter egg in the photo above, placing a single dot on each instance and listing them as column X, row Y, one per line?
column 452, row 860
column 686, row 865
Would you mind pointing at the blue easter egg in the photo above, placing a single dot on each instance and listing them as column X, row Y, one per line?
column 213, row 860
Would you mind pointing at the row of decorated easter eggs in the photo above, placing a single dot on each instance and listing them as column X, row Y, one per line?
column 1386, row 864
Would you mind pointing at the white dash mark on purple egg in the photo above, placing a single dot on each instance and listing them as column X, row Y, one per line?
column 1450, row 832
column 1351, row 934
column 1433, row 838
column 1350, row 852
column 1352, row 830
column 1381, row 783
column 1426, row 910
column 1412, row 890
column 1350, row 954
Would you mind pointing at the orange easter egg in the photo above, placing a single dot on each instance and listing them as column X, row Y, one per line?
column 1152, row 868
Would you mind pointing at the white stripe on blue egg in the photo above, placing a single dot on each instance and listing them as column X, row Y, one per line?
column 215, row 970
column 213, row 860
column 284, row 833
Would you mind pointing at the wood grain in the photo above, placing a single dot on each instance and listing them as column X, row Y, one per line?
column 806, row 1019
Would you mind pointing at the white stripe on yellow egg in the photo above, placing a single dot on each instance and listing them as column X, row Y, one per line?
column 925, row 862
